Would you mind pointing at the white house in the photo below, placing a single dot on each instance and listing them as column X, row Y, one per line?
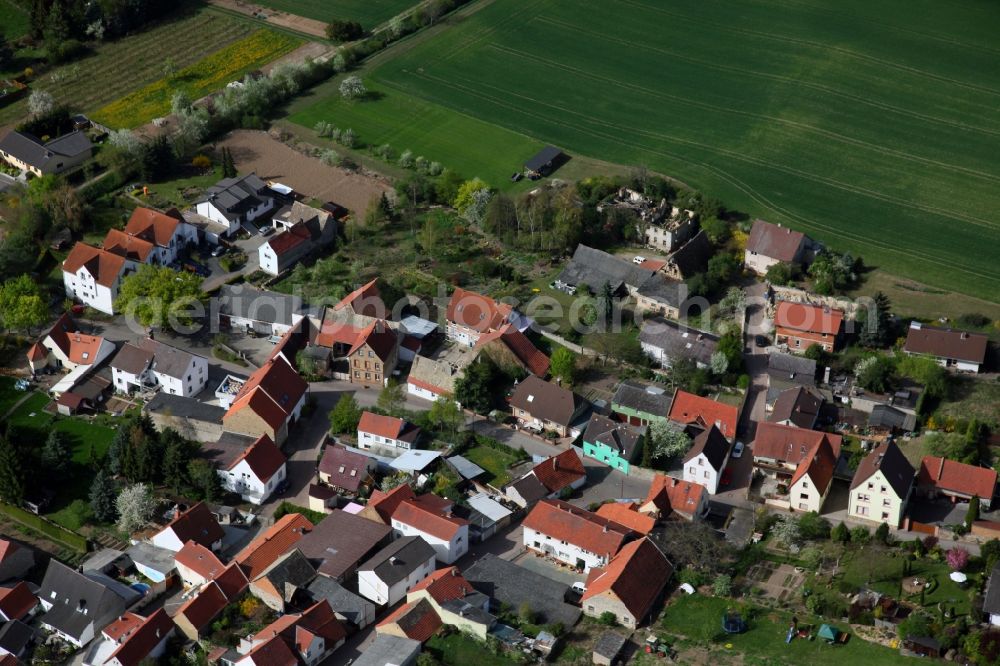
column 196, row 524
column 132, row 639
column 234, row 201
column 152, row 365
column 253, row 472
column 952, row 348
column 67, row 594
column 386, row 432
column 391, row 572
column 881, row 486
column 706, row 459
column 812, row 479
column 167, row 232
column 63, row 346
column 448, row 535
column 307, row 638
column 93, row 276
column 302, row 230
column 572, row 535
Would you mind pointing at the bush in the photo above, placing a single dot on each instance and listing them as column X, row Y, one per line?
column 344, row 31
column 722, row 586
column 841, row 533
column 692, row 577
column 608, row 619
column 201, row 162
column 812, row 526
column 860, row 535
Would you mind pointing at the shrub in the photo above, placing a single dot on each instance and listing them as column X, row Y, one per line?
column 201, row 162
column 840, row 533
column 860, row 535
column 882, row 533
column 608, row 619
column 722, row 586
column 692, row 577
column 957, row 558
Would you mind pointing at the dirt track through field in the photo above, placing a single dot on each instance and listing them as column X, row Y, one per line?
column 270, row 159
column 277, row 18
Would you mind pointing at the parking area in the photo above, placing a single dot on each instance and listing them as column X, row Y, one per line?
column 551, row 569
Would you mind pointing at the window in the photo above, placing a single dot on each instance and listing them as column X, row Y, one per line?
column 692, row 470
column 803, row 506
column 883, row 488
column 886, row 502
column 862, row 511
column 862, row 497
column 701, row 461
column 805, row 484
column 804, row 496
column 871, row 485
column 705, row 475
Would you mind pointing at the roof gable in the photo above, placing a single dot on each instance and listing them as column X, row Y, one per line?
column 713, row 445
column 688, row 409
column 635, row 576
column 774, row 241
column 588, row 531
column 544, row 400
column 560, row 471
column 808, row 318
column 957, row 477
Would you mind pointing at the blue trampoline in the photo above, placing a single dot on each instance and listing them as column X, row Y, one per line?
column 733, row 623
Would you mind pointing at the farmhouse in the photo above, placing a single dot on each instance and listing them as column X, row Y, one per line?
column 167, row 232
column 667, row 341
column 93, row 276
column 593, row 268
column 304, row 230
column 881, row 486
column 800, row 325
column 545, row 161
column 689, row 409
column 235, row 202
column 629, row 585
column 640, row 404
column 668, row 235
column 662, row 296
column 689, row 259
column 269, row 403
column 780, row 450
column 345, row 471
column 668, row 496
column 615, row 444
column 251, row 468
column 28, row 153
column 387, row 433
column 958, row 481
column 471, row 316
column 770, row 244
column 572, row 535
column 509, row 348
column 541, row 405
column 150, row 365
column 707, row 457
column 63, row 346
column 951, row 348
column 246, row 308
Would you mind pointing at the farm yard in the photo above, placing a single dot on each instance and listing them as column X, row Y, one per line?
column 99, row 79
column 199, row 79
column 868, row 126
column 369, row 13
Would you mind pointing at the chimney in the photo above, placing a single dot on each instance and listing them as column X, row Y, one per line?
column 454, row 572
column 826, row 375
column 392, row 560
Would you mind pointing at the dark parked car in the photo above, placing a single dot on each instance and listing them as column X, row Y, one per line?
column 762, row 341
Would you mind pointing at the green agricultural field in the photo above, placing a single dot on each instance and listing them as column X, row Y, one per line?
column 871, row 126
column 368, row 13
column 120, row 67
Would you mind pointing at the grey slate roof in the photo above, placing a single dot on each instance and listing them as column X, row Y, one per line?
column 506, row 582
column 595, row 267
column 530, row 488
column 887, row 416
column 389, row 649
column 399, row 559
column 713, row 444
column 609, row 644
column 634, row 395
column 70, row 145
column 343, row 602
column 692, row 257
column 234, row 196
column 291, row 571
column 15, row 636
column 798, row 405
column 340, row 541
column 620, row 437
column 30, row 150
column 247, row 302
column 662, row 290
column 134, row 357
column 69, row 590
column 191, row 408
column 466, row 468
column 888, row 459
column 543, row 158
column 792, row 368
column 679, row 341
column 991, row 598
column 154, row 557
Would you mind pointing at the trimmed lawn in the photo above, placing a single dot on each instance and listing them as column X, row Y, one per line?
column 700, row 618
column 459, row 650
column 369, row 13
column 197, row 80
column 8, row 394
column 31, row 413
column 494, row 461
column 183, row 191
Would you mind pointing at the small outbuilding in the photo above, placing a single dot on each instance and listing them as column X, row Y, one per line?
column 547, row 160
column 608, row 647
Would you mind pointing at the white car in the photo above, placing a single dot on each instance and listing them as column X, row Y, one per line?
column 579, row 587
column 638, row 260
column 738, row 450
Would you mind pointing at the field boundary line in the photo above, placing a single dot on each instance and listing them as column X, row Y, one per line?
column 805, row 42
column 721, row 109
column 914, row 254
column 771, row 77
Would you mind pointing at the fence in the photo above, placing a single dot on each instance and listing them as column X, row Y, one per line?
column 46, row 527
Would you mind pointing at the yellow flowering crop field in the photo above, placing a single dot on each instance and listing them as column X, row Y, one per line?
column 203, row 77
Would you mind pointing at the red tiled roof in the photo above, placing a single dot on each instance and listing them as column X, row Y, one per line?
column 130, row 247
column 688, row 408
column 8, row 548
column 652, row 264
column 379, row 337
column 123, row 626
column 565, row 522
column 104, row 266
column 444, row 585
column 232, row 581
column 37, row 352
column 635, row 576
column 808, row 318
column 265, row 550
column 788, row 443
column 335, row 332
column 263, row 457
column 385, row 504
column 946, row 343
column 627, row 515
column 83, row 349
column 274, row 652
column 560, row 471
column 137, row 646
column 345, row 468
column 956, row 477
column 152, row 225
column 819, row 465
column 773, row 241
column 426, row 520
column 17, row 601
column 71, row 400
column 271, row 392
column 197, row 524
column 202, row 608
column 417, row 619
column 298, row 629
column 520, row 346
column 383, row 426
column 475, row 311
column 365, row 300
column 199, row 559
column 289, row 240
column 670, row 494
